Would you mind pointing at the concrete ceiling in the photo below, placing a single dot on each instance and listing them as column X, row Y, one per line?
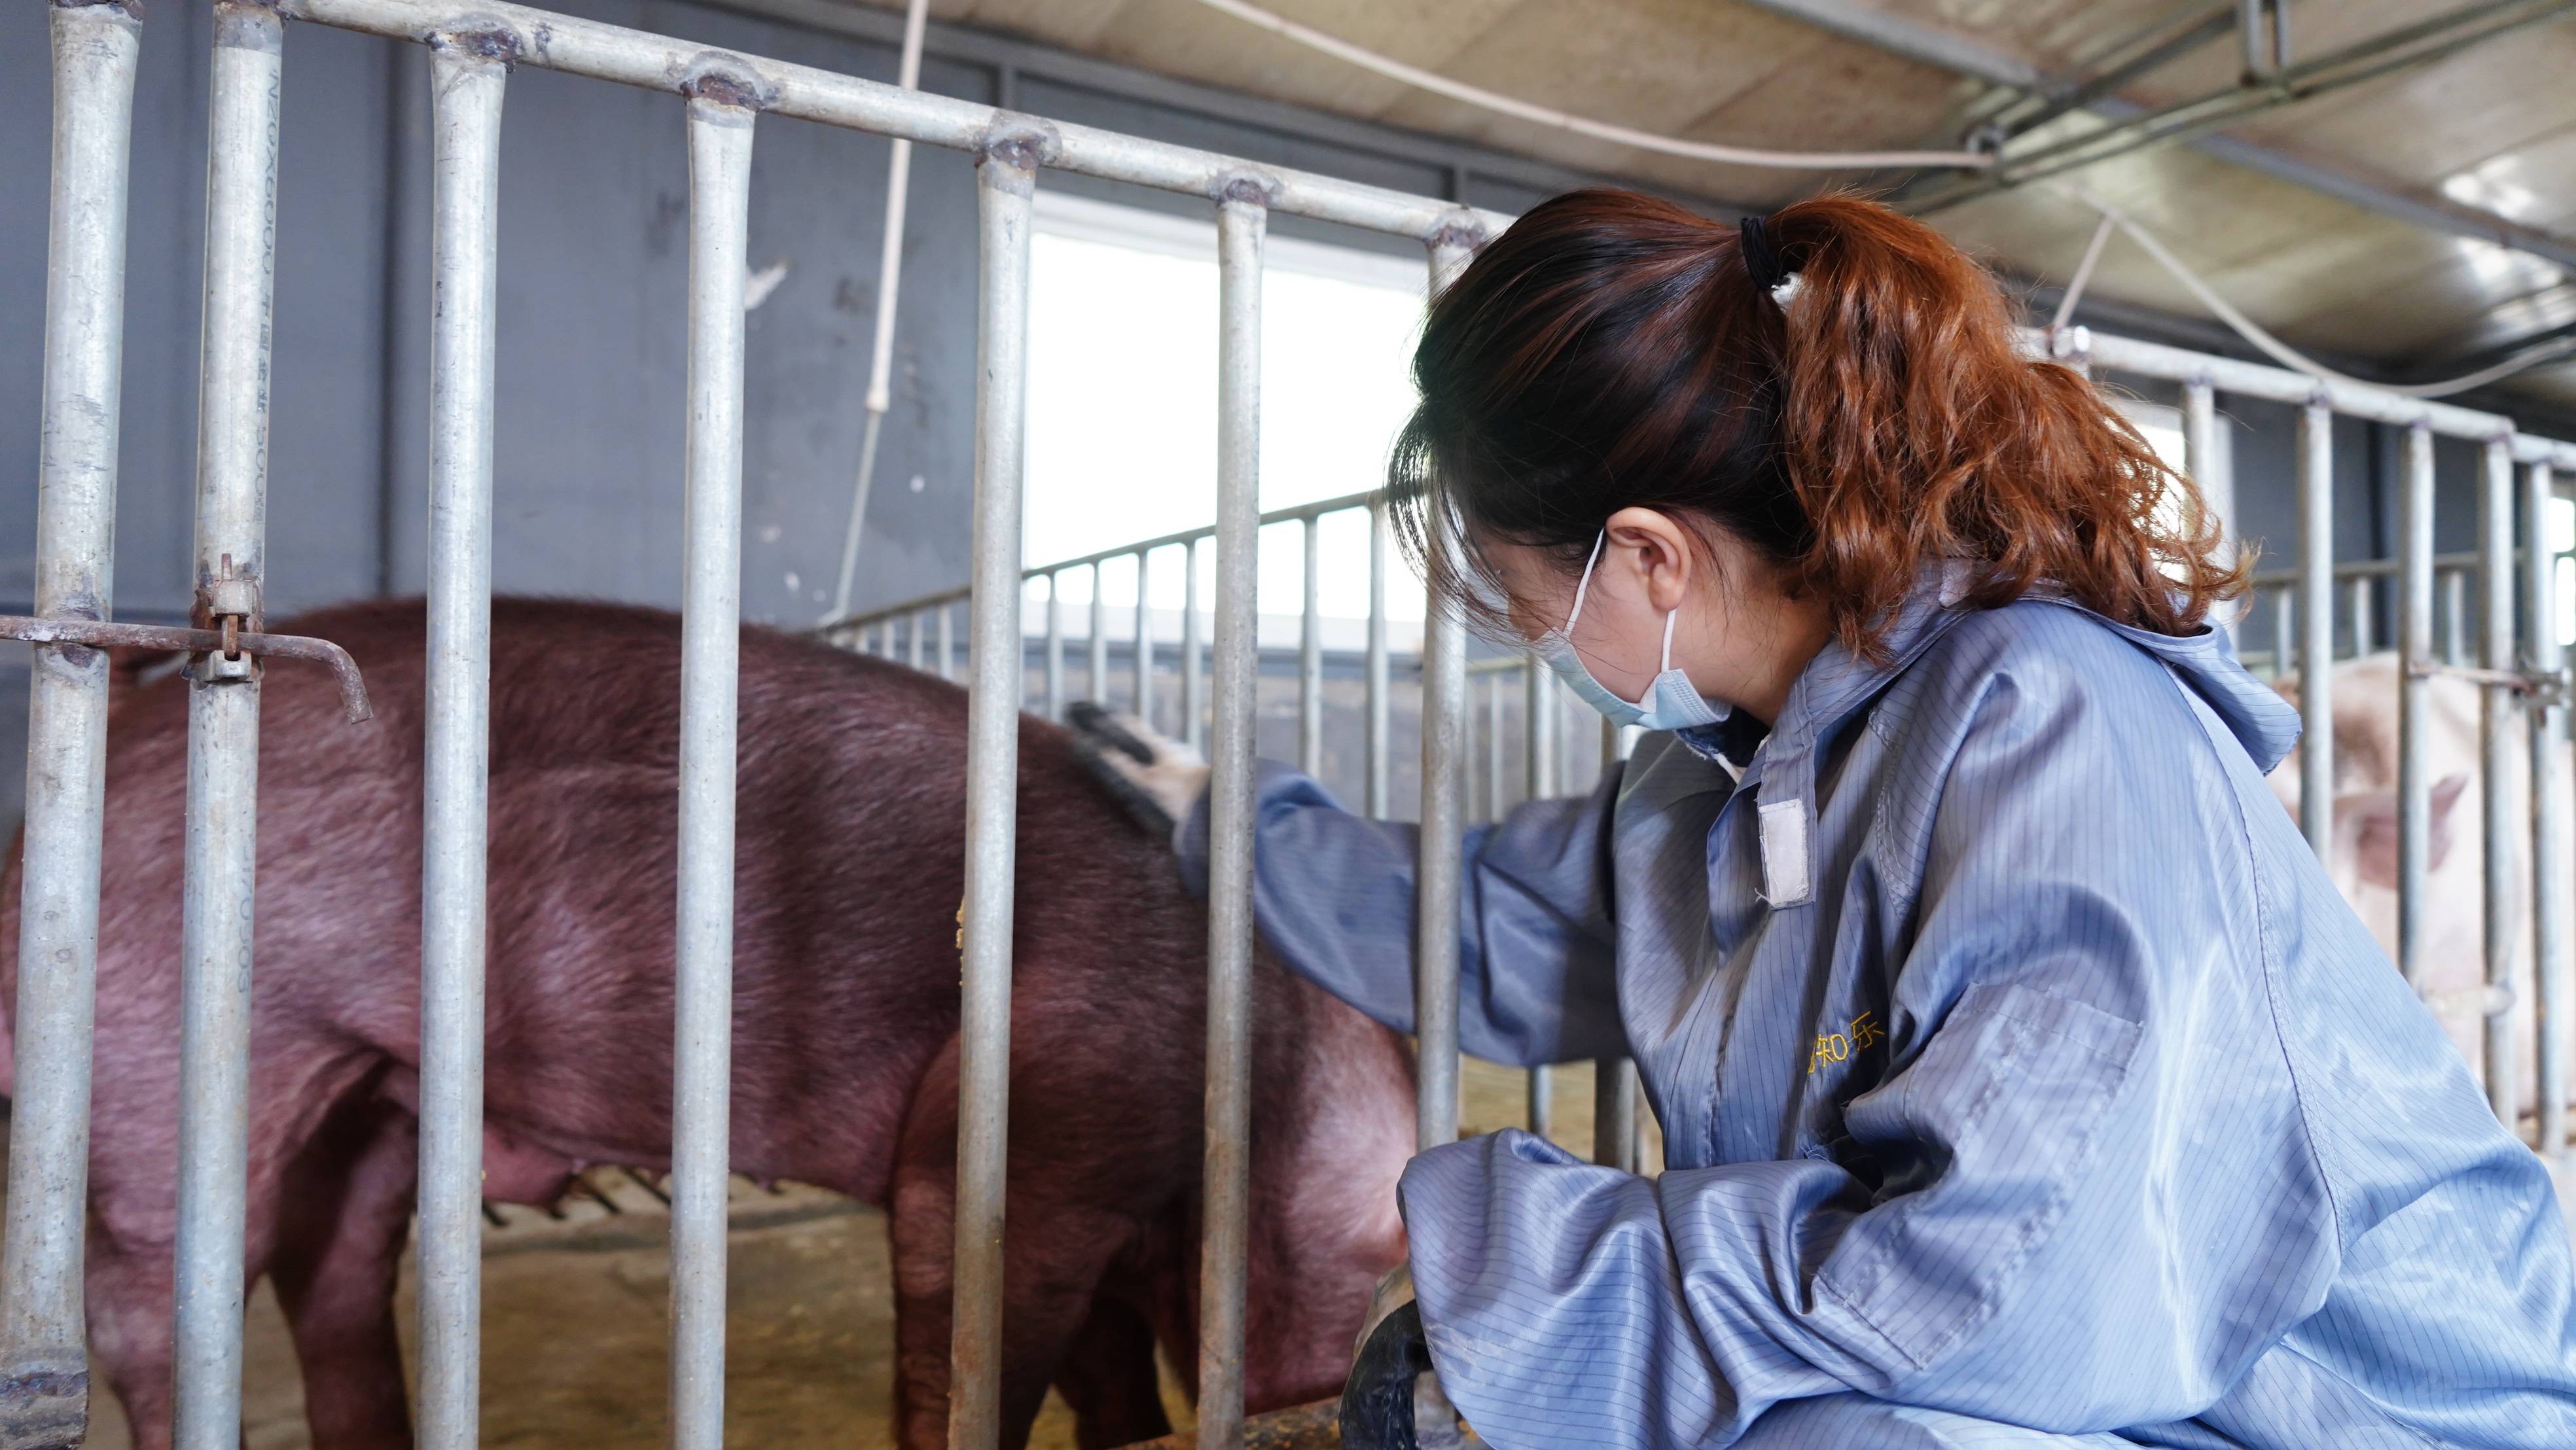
column 2492, row 128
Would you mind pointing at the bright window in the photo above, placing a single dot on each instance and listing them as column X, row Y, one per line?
column 1122, row 399
column 2162, row 427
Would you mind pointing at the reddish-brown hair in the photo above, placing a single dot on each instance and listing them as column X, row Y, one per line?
column 1612, row 350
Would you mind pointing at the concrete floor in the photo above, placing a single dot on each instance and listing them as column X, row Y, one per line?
column 576, row 1311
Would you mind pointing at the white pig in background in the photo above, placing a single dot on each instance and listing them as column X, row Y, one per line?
column 2363, row 862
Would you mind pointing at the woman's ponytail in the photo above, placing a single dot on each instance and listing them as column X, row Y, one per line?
column 1914, row 431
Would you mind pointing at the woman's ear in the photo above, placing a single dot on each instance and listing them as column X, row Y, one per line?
column 1661, row 551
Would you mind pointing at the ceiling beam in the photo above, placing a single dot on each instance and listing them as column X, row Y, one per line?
column 1933, row 46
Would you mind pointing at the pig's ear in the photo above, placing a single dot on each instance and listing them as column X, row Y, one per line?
column 2373, row 817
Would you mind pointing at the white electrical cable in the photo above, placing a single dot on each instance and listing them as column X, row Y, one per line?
column 1421, row 79
column 2083, row 273
column 880, row 395
column 2288, row 356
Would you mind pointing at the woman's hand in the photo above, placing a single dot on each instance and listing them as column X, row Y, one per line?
column 1158, row 780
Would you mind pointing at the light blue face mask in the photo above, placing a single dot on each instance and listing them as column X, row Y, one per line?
column 1671, row 703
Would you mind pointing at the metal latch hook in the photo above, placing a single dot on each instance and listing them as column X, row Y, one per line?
column 230, row 641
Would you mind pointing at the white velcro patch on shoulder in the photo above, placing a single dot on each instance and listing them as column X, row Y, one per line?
column 1787, row 879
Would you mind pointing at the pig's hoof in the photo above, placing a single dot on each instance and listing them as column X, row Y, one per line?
column 44, row 1405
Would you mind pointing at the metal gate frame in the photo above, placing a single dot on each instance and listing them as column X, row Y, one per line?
column 43, row 1382
column 2521, row 671
column 43, row 1385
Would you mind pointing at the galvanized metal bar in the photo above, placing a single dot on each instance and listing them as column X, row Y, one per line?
column 1144, row 663
column 1438, row 879
column 1475, row 791
column 1225, row 1238
column 2284, row 646
column 1614, row 1079
column 1495, row 759
column 720, row 137
column 2500, row 717
column 2414, row 701
column 656, row 62
column 2315, row 611
column 1538, row 782
column 1193, row 645
column 1614, row 1113
column 2548, row 821
column 1290, row 514
column 1310, row 654
column 912, row 641
column 467, row 85
column 1538, row 731
column 223, row 725
column 1055, row 647
column 2252, row 29
column 1005, row 188
column 2384, row 570
column 2455, row 604
column 2282, row 385
column 2217, row 485
column 1380, row 750
column 1095, row 680
column 947, row 642
column 44, row 1367
column 2365, row 615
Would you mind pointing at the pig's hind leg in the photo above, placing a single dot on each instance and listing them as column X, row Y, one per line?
column 344, row 1215
column 1108, row 1378
column 133, row 1200
column 1066, row 1224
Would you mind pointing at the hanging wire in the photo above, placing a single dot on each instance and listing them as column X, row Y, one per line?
column 1421, row 79
column 2282, row 352
column 889, row 289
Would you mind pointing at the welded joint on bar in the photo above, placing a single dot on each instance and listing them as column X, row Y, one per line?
column 724, row 80
column 1246, row 188
column 1019, row 142
column 478, row 37
column 253, row 25
column 240, row 645
column 1462, row 228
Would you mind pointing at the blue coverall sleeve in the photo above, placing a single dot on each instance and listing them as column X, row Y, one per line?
column 2074, row 1196
column 1333, row 897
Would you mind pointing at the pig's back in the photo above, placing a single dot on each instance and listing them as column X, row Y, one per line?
column 848, row 867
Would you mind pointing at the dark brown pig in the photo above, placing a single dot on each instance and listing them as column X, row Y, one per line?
column 849, row 871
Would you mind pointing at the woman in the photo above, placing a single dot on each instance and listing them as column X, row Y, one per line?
column 2023, row 1080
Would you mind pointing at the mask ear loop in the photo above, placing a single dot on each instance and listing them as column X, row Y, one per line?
column 1669, row 617
column 1584, row 583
